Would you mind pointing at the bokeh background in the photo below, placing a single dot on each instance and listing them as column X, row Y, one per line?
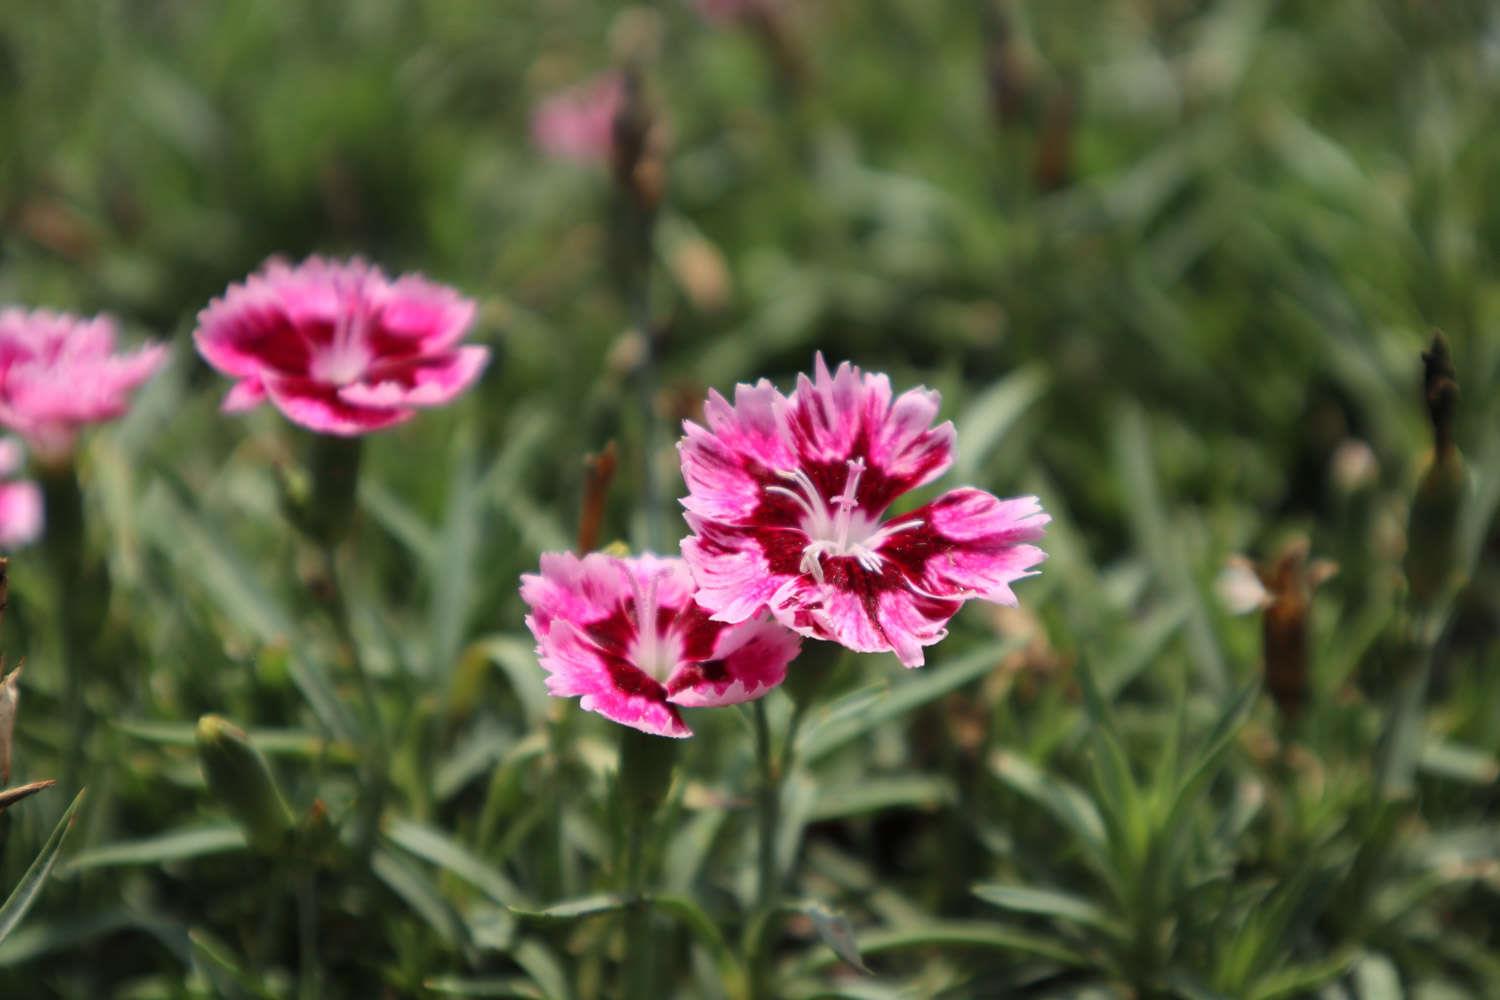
column 1171, row 263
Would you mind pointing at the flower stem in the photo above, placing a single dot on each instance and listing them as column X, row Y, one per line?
column 768, row 809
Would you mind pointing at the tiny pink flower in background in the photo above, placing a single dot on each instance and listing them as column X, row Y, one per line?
column 59, row 373
column 786, row 496
column 337, row 346
column 626, row 637
column 20, row 500
column 578, row 124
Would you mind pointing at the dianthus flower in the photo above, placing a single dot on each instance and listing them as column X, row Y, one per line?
column 578, row 124
column 20, row 500
column 337, row 346
column 59, row 373
column 786, row 496
column 626, row 636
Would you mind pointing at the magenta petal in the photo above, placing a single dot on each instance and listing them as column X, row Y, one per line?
column 971, row 544
column 748, row 661
column 21, row 514
column 613, row 688
column 246, row 394
column 318, row 408
column 428, row 382
column 734, row 578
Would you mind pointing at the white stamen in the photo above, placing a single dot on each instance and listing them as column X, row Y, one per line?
column 838, row 529
column 654, row 653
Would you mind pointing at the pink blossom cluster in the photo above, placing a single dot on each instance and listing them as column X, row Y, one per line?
column 578, row 124
column 339, row 347
column 787, row 502
column 21, row 512
column 60, row 373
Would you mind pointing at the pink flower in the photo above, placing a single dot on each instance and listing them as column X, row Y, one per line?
column 339, row 347
column 20, row 500
column 785, row 499
column 59, row 373
column 626, row 636
column 578, row 124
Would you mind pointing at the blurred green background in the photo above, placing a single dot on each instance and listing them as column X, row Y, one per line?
column 1171, row 264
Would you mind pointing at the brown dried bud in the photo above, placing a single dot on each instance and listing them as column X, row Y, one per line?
column 599, row 472
column 1289, row 583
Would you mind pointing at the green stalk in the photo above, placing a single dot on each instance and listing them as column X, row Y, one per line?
column 75, row 605
column 642, row 783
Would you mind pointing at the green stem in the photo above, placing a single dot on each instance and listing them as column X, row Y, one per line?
column 768, row 810
column 376, row 752
column 75, row 606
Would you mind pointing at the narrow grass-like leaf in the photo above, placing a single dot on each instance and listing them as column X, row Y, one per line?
column 424, row 899
column 271, row 742
column 26, row 891
column 509, row 988
column 574, row 909
column 1047, row 903
column 912, row 791
column 178, row 845
column 991, row 415
column 906, row 694
column 964, row 934
column 224, row 968
column 438, row 848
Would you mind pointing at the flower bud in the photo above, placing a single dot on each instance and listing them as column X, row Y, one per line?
column 239, row 776
column 1431, row 533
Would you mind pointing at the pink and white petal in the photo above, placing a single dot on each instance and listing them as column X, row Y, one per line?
column 247, row 332
column 246, row 394
column 424, row 382
column 733, row 577
column 971, row 544
column 318, row 408
column 21, row 514
column 421, row 316
column 910, row 622
column 608, row 685
column 905, row 446
column 826, row 414
column 578, row 590
column 749, row 660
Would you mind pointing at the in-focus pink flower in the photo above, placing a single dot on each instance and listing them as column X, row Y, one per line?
column 20, row 500
column 578, row 123
column 59, row 373
column 626, row 636
column 786, row 496
column 337, row 346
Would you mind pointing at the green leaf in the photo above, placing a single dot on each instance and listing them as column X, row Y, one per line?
column 991, row 415
column 1046, row 903
column 271, row 742
column 30, row 886
column 224, row 967
column 424, row 899
column 178, row 845
column 574, row 909
column 912, row 791
column 1067, row 803
column 964, row 934
column 911, row 691
column 509, row 988
column 438, row 848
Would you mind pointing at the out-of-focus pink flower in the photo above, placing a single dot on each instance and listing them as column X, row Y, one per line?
column 59, row 373
column 626, row 636
column 20, row 500
column 785, row 499
column 578, row 123
column 337, row 346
